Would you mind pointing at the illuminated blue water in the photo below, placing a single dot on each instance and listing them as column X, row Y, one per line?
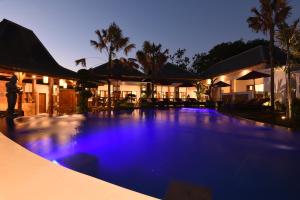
column 146, row 150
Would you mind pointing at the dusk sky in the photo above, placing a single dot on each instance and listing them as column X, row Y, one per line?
column 65, row 27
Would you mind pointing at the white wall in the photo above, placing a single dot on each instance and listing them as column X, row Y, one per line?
column 262, row 85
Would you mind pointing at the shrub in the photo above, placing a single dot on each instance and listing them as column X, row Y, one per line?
column 296, row 109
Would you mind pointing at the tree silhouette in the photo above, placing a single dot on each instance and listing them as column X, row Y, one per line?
column 288, row 38
column 152, row 58
column 111, row 41
column 179, row 59
column 270, row 14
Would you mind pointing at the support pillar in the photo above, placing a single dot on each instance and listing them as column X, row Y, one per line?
column 176, row 92
column 20, row 77
column 34, row 95
column 51, row 102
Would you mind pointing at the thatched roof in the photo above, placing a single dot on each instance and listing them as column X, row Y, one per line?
column 251, row 57
column 172, row 72
column 119, row 71
column 167, row 74
column 21, row 50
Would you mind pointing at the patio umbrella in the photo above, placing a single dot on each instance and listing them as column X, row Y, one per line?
column 253, row 75
column 221, row 84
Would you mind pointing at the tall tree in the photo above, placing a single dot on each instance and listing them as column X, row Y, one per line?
column 111, row 40
column 203, row 61
column 81, row 86
column 179, row 59
column 152, row 57
column 288, row 39
column 130, row 63
column 270, row 14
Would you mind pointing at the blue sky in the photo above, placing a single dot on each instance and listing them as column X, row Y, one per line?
column 66, row 26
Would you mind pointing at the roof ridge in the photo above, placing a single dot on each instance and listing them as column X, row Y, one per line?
column 15, row 24
column 26, row 34
column 244, row 52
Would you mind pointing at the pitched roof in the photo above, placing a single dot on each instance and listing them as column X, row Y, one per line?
column 251, row 57
column 173, row 72
column 119, row 71
column 21, row 50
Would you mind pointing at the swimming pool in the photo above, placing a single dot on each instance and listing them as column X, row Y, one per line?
column 147, row 150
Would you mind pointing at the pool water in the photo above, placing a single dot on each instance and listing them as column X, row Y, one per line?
column 146, row 151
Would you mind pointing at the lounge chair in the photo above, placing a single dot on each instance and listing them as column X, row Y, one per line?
column 191, row 102
column 166, row 102
column 252, row 104
column 154, row 102
column 145, row 103
column 178, row 102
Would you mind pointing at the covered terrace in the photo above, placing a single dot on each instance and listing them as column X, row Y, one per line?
column 46, row 86
column 233, row 68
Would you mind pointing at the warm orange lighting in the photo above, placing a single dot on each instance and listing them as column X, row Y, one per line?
column 222, row 78
column 45, row 79
column 34, row 76
column 61, row 82
column 245, row 71
column 208, row 81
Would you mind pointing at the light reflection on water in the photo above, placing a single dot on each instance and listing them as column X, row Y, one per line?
column 145, row 150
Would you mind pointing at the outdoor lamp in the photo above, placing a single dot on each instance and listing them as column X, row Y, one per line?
column 65, row 85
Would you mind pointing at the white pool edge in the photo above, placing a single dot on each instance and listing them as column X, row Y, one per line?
column 25, row 175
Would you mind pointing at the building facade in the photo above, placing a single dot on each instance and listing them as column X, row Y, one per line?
column 256, row 59
column 45, row 85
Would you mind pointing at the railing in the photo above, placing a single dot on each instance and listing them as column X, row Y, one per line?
column 240, row 96
column 102, row 102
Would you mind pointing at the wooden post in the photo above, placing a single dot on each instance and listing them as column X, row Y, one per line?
column 50, row 102
column 57, row 97
column 176, row 90
column 34, row 94
column 20, row 77
column 254, row 89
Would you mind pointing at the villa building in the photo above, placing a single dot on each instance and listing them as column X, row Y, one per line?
column 49, row 88
column 170, row 82
column 46, row 86
column 255, row 59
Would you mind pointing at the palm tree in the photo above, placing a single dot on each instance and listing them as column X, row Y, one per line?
column 152, row 58
column 210, row 88
column 288, row 38
column 129, row 63
column 84, row 94
column 111, row 40
column 270, row 14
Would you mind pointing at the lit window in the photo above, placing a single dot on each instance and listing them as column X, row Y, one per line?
column 45, row 79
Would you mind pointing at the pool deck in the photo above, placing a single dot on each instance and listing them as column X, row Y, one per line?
column 25, row 175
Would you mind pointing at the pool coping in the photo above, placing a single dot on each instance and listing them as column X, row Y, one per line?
column 266, row 124
column 25, row 175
